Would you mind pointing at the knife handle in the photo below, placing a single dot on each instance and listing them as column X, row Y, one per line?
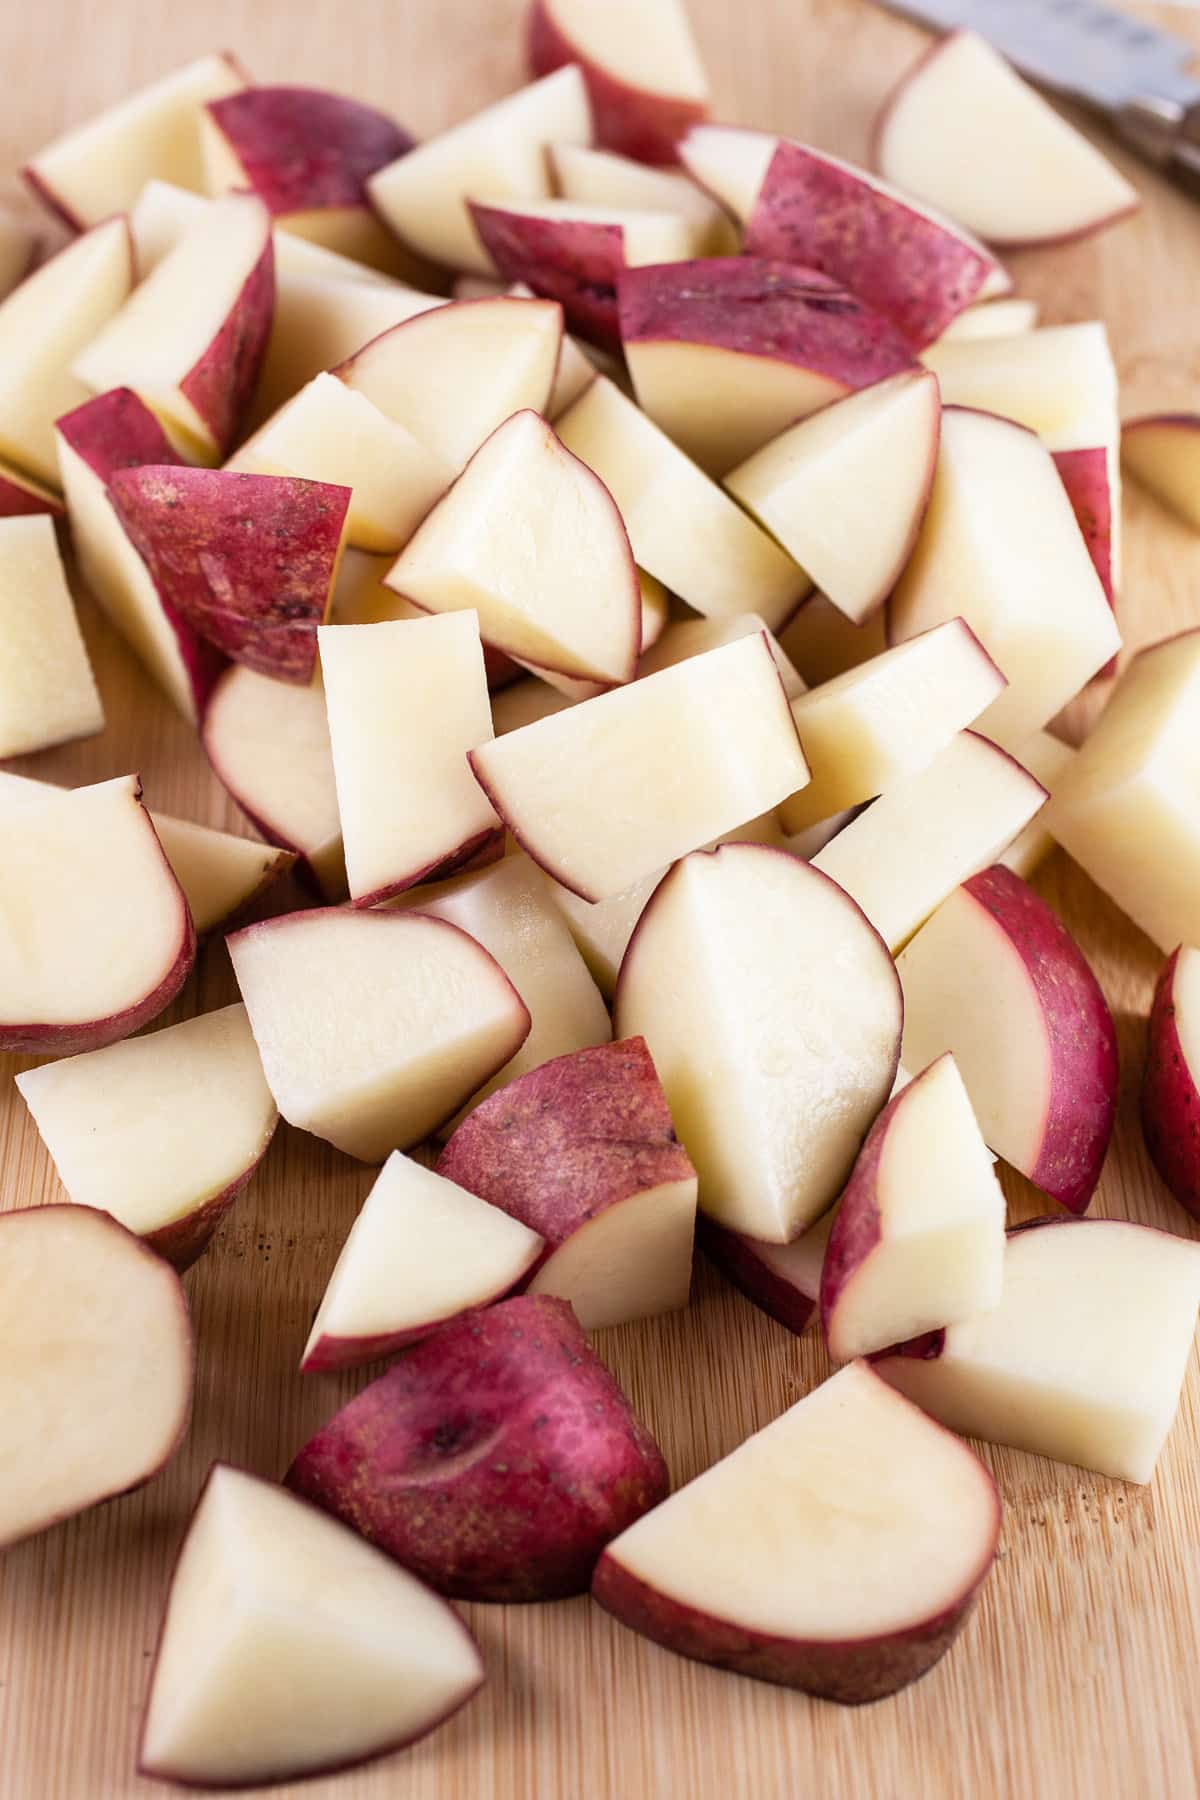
column 1167, row 134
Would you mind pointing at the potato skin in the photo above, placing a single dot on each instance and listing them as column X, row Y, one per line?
column 1170, row 1104
column 495, row 1459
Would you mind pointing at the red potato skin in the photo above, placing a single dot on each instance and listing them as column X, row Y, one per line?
column 762, row 307
column 564, row 1142
column 18, row 501
column 249, row 560
column 916, row 272
column 118, row 431
column 1082, row 1104
column 853, row 1673
column 190, row 1336
column 182, row 1241
column 94, row 1034
column 630, row 120
column 574, row 261
column 495, row 1459
column 734, row 1255
column 1170, row 1103
column 221, row 385
column 303, row 148
column 1084, row 474
column 179, row 1777
column 479, row 852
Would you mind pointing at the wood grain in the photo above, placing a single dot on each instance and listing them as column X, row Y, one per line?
column 1077, row 1675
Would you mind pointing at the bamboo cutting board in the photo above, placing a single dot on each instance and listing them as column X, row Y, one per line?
column 1077, row 1675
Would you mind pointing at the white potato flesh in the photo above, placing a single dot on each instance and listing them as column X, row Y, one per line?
column 1125, row 808
column 846, row 1518
column 268, row 741
column 692, row 637
column 602, row 178
column 374, row 1027
column 509, row 909
column 965, row 132
column 1000, row 547
column 1084, row 1357
column 903, row 855
column 93, row 920
column 163, row 212
column 603, row 794
column 730, row 162
column 218, row 872
column 869, row 728
column 772, row 1011
column 1047, row 758
column 406, row 699
column 319, row 321
column 683, row 529
column 100, row 168
column 421, row 1251
column 456, row 372
column 328, row 432
column 496, row 155
column 650, row 47
column 939, row 1257
column 95, row 1364
column 151, row 1129
column 648, row 235
column 1060, row 381
column 530, row 540
column 845, row 491
column 44, row 324
column 289, row 1645
column 994, row 318
column 632, row 1261
column 48, row 693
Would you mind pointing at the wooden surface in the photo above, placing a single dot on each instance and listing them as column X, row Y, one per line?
column 1077, row 1675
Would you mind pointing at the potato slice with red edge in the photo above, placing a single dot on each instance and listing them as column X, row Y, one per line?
column 839, row 1550
column 411, row 695
column 667, row 763
column 220, row 874
column 112, row 432
column 374, row 1027
column 191, row 337
column 604, row 178
column 918, row 1239
column 992, row 318
column 453, row 375
column 44, row 324
column 869, row 728
column 97, row 1360
column 494, row 1459
column 248, row 560
column 163, row 1131
column 774, row 972
column 1124, row 810
column 100, row 167
column 726, row 353
column 1040, row 1370
column 582, row 1150
column 1170, row 1099
column 860, row 472
column 1000, row 547
column 268, row 744
column 100, row 939
column 532, row 541
column 804, row 206
column 965, row 133
column 996, row 978
column 1162, row 453
column 575, row 253
column 21, row 495
column 782, row 1280
column 290, row 1648
column 307, row 153
column 644, row 75
column 421, row 1251
column 496, row 155
column 510, row 908
column 903, row 854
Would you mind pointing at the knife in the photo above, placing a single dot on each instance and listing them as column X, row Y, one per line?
column 1131, row 72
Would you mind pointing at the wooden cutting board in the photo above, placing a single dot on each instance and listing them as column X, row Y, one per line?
column 1077, row 1675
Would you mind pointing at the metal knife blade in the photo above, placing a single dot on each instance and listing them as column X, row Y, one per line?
column 1077, row 47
